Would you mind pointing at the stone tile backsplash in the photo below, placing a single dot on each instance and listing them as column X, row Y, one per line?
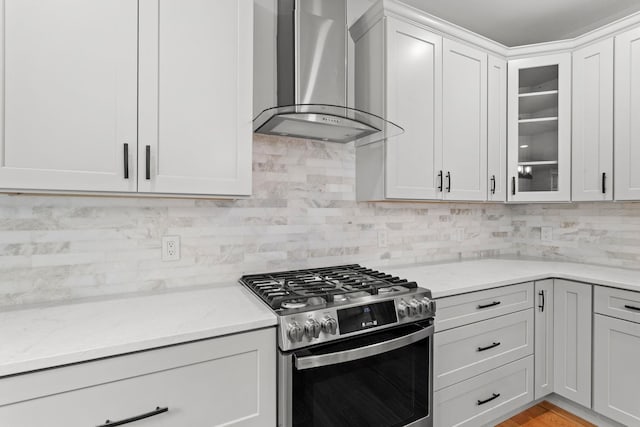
column 600, row 233
column 302, row 214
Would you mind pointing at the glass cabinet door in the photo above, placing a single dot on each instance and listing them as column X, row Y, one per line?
column 539, row 129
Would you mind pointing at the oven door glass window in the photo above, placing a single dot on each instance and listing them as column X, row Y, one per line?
column 386, row 390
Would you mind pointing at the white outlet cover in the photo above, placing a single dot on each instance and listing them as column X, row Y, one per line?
column 546, row 234
column 170, row 248
column 383, row 239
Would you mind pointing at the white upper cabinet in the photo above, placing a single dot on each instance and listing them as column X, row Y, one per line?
column 497, row 130
column 464, row 113
column 627, row 112
column 539, row 129
column 69, row 95
column 437, row 91
column 196, row 96
column 592, row 150
column 405, row 89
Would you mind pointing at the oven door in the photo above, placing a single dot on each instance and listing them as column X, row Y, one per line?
column 382, row 379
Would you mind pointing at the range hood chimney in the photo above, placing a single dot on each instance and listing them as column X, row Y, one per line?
column 312, row 79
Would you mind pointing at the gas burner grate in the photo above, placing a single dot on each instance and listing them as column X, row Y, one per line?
column 318, row 286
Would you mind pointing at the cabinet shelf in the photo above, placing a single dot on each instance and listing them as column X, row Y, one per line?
column 540, row 163
column 541, row 125
column 536, row 94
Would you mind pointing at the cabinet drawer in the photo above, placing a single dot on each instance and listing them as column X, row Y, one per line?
column 464, row 352
column 461, row 310
column 229, row 380
column 617, row 303
column 486, row 397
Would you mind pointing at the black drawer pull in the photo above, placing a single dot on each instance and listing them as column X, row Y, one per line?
column 493, row 184
column 513, row 186
column 494, row 397
column 440, row 179
column 148, row 162
column 630, row 307
column 126, row 161
column 493, row 304
column 604, row 185
column 494, row 345
column 155, row 412
column 448, row 182
column 541, row 306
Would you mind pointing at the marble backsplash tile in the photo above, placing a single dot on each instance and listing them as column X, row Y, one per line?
column 302, row 214
column 598, row 233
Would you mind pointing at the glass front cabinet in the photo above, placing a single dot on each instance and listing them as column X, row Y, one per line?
column 539, row 134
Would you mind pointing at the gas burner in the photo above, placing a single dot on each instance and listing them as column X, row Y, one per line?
column 293, row 304
column 286, row 290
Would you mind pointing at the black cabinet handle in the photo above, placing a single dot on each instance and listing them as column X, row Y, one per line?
column 148, row 162
column 630, row 307
column 126, row 161
column 441, row 181
column 153, row 413
column 448, row 182
column 513, row 186
column 489, row 347
column 604, row 186
column 541, row 306
column 493, row 304
column 494, row 397
column 493, row 184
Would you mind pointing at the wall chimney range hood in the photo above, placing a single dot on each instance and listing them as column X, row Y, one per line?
column 312, row 79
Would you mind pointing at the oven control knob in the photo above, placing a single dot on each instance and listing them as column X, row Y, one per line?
column 403, row 309
column 415, row 307
column 329, row 325
column 429, row 305
column 312, row 328
column 295, row 332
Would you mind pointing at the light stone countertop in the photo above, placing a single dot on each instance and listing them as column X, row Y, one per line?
column 43, row 337
column 469, row 276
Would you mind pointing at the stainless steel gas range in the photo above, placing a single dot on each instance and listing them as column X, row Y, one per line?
column 355, row 347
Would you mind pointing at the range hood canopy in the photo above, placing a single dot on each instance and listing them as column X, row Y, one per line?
column 323, row 122
column 312, row 79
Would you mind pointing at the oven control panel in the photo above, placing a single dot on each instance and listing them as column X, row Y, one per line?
column 345, row 320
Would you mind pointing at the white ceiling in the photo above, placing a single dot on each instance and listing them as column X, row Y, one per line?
column 522, row 22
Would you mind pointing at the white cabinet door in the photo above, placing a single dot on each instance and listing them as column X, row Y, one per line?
column 69, row 89
column 543, row 338
column 592, row 150
column 572, row 311
column 464, row 131
column 497, row 130
column 615, row 369
column 196, row 96
column 627, row 108
column 414, row 100
column 539, row 129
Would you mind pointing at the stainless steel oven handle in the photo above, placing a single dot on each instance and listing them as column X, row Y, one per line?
column 361, row 352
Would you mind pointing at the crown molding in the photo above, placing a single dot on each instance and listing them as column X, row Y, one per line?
column 439, row 26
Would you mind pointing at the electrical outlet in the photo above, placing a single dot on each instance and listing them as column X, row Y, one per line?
column 170, row 248
column 383, row 239
column 546, row 234
column 459, row 234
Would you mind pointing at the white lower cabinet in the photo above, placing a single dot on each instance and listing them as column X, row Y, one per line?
column 572, row 314
column 544, row 338
column 223, row 381
column 616, row 351
column 485, row 397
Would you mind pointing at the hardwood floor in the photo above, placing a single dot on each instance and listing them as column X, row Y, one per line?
column 545, row 414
